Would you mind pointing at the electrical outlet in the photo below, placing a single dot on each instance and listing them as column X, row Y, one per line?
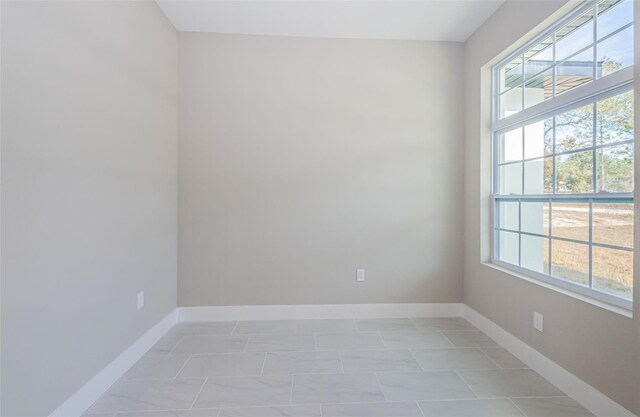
column 360, row 275
column 140, row 300
column 538, row 321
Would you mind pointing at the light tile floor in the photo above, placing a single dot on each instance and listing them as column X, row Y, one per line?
column 425, row 367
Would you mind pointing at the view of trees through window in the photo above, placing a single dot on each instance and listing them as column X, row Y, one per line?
column 612, row 222
column 614, row 164
column 563, row 197
column 568, row 155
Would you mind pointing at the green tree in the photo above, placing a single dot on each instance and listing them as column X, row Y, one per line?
column 574, row 130
column 614, row 123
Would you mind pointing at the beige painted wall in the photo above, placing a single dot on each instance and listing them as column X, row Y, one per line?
column 597, row 345
column 304, row 159
column 89, row 186
column 300, row 161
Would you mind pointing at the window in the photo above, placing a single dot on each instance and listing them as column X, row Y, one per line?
column 563, row 149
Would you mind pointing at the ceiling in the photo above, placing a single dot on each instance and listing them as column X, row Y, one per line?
column 436, row 20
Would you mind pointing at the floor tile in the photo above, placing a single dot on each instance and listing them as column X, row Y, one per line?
column 326, row 326
column 280, row 342
column 348, row 341
column 504, row 359
column 440, row 385
column 336, row 388
column 291, row 411
column 509, row 383
column 202, row 329
column 470, row 339
column 177, row 413
column 267, row 326
column 551, row 407
column 226, row 364
column 164, row 345
column 379, row 360
column 443, row 323
column 148, row 394
column 453, row 358
column 470, row 408
column 400, row 409
column 210, row 344
column 414, row 340
column 385, row 325
column 342, row 368
column 165, row 366
column 303, row 363
column 264, row 391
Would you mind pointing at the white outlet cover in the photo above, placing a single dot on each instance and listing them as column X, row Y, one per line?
column 538, row 321
column 360, row 275
column 140, row 300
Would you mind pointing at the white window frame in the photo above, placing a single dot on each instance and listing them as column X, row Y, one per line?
column 595, row 90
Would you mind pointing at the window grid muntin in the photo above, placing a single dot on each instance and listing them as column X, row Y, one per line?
column 551, row 238
column 552, row 32
column 568, row 239
column 591, row 231
column 577, row 150
column 591, row 293
column 519, row 120
column 595, row 91
column 594, row 148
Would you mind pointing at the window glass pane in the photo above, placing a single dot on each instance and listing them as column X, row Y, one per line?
column 510, row 179
column 538, row 88
column 587, row 154
column 511, row 74
column 615, row 53
column 538, row 176
column 568, row 261
column 615, row 168
column 538, row 139
column 613, row 15
column 614, row 119
column 510, row 145
column 535, row 217
column 511, row 101
column 613, row 224
column 570, row 220
column 508, row 247
column 539, row 57
column 574, row 71
column 535, row 253
column 574, row 173
column 574, row 129
column 575, row 35
column 508, row 215
column 613, row 271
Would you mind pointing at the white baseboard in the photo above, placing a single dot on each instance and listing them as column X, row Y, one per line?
column 320, row 311
column 586, row 395
column 79, row 402
column 589, row 397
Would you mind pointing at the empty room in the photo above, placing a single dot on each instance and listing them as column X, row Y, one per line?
column 344, row 208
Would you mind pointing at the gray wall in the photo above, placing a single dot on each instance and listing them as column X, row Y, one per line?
column 599, row 346
column 89, row 190
column 304, row 159
column 300, row 161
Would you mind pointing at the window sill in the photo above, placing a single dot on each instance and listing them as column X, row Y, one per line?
column 598, row 303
